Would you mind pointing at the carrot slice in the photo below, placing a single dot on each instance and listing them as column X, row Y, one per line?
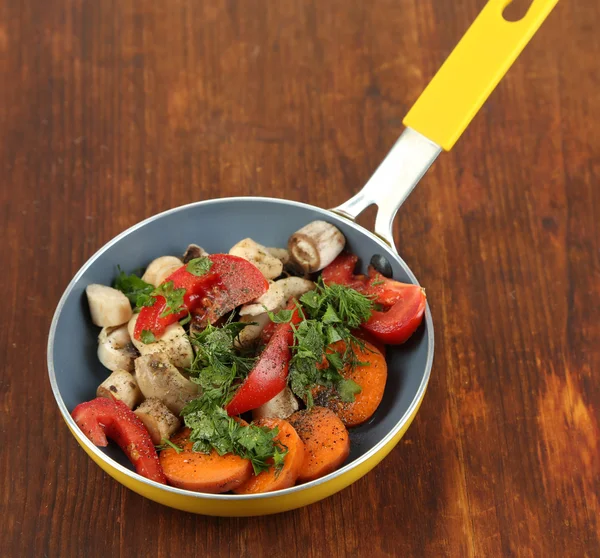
column 326, row 441
column 200, row 472
column 370, row 377
column 271, row 480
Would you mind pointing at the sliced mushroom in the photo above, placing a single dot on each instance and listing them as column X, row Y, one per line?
column 121, row 385
column 273, row 299
column 174, row 343
column 158, row 420
column 252, row 332
column 280, row 253
column 157, row 377
column 316, row 245
column 277, row 296
column 160, row 268
column 108, row 307
column 281, row 406
column 115, row 349
column 192, row 252
column 269, row 265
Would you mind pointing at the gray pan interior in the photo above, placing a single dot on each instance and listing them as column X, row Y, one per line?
column 217, row 225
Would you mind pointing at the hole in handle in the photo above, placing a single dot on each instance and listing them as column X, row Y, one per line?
column 516, row 9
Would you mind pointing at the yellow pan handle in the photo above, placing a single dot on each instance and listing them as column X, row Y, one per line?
column 472, row 71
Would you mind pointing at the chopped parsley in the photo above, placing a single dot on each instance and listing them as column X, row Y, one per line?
column 168, row 444
column 134, row 288
column 199, row 266
column 331, row 312
column 216, row 368
column 146, row 336
column 173, row 298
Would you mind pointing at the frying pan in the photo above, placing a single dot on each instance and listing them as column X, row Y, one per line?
column 434, row 123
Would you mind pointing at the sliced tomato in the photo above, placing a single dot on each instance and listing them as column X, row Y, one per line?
column 231, row 282
column 396, row 325
column 403, row 304
column 102, row 418
column 269, row 375
column 240, row 281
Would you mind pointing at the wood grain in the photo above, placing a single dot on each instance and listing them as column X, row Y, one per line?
column 112, row 111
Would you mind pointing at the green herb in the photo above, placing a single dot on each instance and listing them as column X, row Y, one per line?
column 168, row 444
column 377, row 283
column 134, row 288
column 199, row 266
column 331, row 312
column 147, row 336
column 282, row 317
column 173, row 298
column 216, row 367
column 186, row 320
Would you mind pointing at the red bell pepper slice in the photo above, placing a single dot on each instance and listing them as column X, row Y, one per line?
column 103, row 417
column 269, row 375
column 231, row 281
column 403, row 304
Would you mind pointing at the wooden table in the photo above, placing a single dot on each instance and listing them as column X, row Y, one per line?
column 113, row 111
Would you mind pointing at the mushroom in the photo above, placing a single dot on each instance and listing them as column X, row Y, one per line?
column 108, row 307
column 121, row 385
column 174, row 343
column 281, row 406
column 157, row 377
column 316, row 245
column 271, row 300
column 257, row 254
column 115, row 349
column 158, row 420
column 160, row 268
column 280, row 253
column 192, row 252
column 277, row 296
column 251, row 332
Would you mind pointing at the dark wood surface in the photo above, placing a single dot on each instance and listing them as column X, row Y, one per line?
column 112, row 111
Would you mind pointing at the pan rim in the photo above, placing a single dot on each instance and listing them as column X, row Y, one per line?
column 83, row 440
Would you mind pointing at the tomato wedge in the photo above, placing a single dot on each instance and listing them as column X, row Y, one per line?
column 240, row 281
column 102, row 418
column 230, row 282
column 269, row 375
column 403, row 304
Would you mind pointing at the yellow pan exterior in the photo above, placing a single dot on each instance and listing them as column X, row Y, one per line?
column 265, row 505
column 472, row 71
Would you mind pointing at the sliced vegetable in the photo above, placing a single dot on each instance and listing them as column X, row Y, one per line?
column 270, row 266
column 121, row 385
column 108, row 307
column 102, row 418
column 173, row 342
column 281, row 406
column 160, row 422
column 280, row 475
column 269, row 375
column 403, row 304
column 370, row 375
column 157, row 377
column 326, row 441
column 160, row 268
column 240, row 281
column 316, row 245
column 115, row 349
column 201, row 472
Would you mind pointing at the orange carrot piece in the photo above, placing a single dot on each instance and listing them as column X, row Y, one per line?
column 271, row 480
column 371, row 378
column 200, row 472
column 326, row 441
